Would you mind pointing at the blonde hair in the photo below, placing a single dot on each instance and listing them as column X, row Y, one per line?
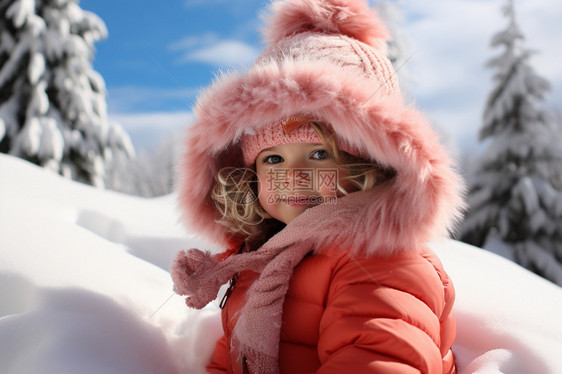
column 236, row 198
column 236, row 194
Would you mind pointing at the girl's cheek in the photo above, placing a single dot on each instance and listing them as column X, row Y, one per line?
column 328, row 182
column 266, row 203
column 266, row 197
column 327, row 191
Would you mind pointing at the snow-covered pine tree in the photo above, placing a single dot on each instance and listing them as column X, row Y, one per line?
column 515, row 203
column 52, row 103
column 149, row 174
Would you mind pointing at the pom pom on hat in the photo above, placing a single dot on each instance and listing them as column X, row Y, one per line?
column 352, row 18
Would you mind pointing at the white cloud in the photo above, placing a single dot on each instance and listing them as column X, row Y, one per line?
column 148, row 129
column 226, row 52
column 451, row 46
column 210, row 49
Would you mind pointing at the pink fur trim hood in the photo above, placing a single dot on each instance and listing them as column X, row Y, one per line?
column 422, row 202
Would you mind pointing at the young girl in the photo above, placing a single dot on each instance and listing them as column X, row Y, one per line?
column 323, row 187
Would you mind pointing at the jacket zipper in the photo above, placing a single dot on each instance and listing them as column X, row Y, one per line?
column 229, row 291
column 231, row 285
column 244, row 365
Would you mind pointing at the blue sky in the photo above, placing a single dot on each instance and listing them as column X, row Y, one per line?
column 159, row 54
column 152, row 48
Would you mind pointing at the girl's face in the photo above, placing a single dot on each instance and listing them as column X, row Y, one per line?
column 296, row 176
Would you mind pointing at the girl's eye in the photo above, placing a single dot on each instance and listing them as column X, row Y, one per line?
column 321, row 154
column 273, row 159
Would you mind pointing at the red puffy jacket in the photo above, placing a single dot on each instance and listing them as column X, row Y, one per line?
column 344, row 314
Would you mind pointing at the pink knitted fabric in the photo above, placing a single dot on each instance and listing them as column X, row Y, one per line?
column 345, row 33
column 199, row 275
column 275, row 134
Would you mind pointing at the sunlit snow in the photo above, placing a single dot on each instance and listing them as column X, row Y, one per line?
column 83, row 289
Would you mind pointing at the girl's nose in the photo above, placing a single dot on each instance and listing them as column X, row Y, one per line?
column 297, row 164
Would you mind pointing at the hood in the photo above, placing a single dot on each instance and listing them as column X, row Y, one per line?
column 421, row 202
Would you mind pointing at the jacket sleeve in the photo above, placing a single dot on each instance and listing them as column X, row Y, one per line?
column 382, row 317
column 219, row 362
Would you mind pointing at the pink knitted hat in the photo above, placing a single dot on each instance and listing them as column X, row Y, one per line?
column 276, row 133
column 345, row 33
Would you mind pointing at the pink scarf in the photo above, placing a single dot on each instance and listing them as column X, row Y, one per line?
column 199, row 275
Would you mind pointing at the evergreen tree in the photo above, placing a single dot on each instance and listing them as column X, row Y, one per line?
column 515, row 200
column 149, row 174
column 52, row 103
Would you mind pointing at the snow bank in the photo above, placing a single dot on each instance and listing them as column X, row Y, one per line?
column 78, row 284
column 84, row 289
column 508, row 319
column 78, row 331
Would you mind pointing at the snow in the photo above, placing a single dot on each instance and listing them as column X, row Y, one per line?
column 29, row 139
column 10, row 66
column 508, row 319
column 525, row 191
column 496, row 245
column 39, row 103
column 52, row 144
column 8, row 111
column 85, row 289
column 36, row 68
column 75, row 286
column 19, row 11
column 2, row 129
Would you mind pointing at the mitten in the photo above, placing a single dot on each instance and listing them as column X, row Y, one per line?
column 193, row 273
